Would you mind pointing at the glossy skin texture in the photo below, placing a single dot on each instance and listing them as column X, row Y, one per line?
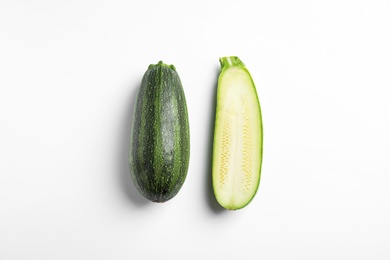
column 160, row 139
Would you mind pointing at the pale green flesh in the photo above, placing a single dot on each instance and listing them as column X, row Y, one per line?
column 237, row 151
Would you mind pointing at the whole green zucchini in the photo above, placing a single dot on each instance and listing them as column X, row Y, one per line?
column 160, row 139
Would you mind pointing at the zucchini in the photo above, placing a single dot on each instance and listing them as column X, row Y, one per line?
column 238, row 136
column 160, row 140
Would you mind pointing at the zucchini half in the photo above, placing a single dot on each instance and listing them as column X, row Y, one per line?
column 238, row 136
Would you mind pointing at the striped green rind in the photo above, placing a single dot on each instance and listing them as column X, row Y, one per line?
column 160, row 139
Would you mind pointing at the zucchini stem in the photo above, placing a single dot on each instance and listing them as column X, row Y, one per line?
column 230, row 61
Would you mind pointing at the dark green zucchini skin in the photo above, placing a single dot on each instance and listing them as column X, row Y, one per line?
column 160, row 138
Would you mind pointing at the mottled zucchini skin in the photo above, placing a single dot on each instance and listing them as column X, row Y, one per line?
column 160, row 138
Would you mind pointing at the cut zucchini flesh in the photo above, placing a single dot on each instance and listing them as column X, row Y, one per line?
column 238, row 137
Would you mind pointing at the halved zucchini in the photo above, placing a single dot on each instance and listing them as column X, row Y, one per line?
column 238, row 136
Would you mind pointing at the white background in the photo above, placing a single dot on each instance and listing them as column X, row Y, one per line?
column 69, row 72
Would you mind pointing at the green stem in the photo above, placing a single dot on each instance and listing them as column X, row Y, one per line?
column 230, row 61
